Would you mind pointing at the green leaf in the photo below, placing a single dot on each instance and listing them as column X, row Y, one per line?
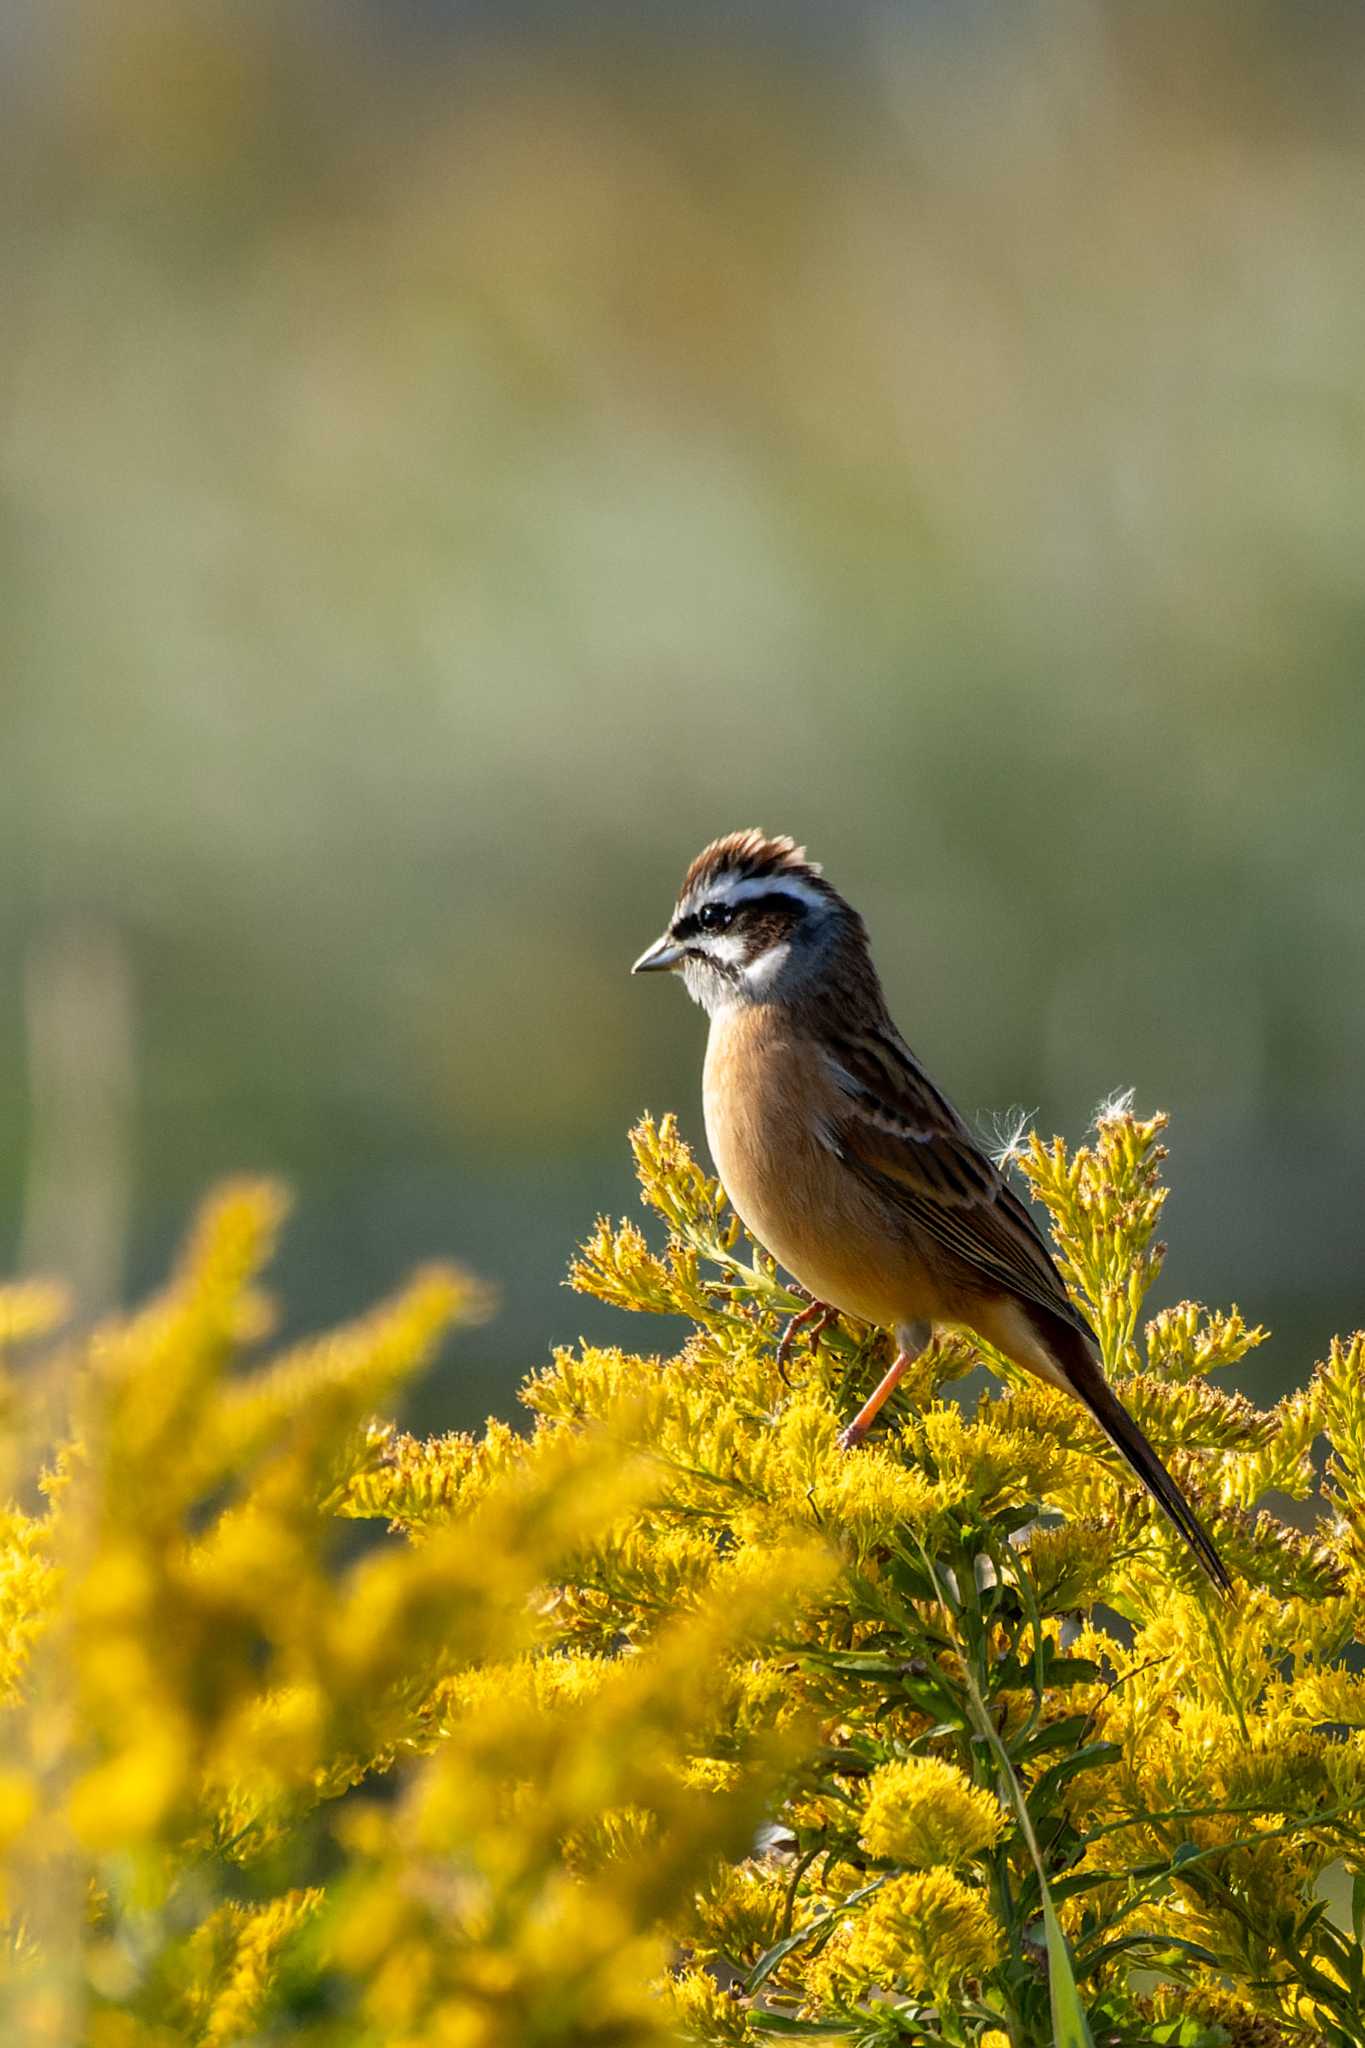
column 780, row 1950
column 1098, row 1957
column 820, row 1925
column 1070, row 2028
column 778, row 2023
column 1070, row 1670
column 1063, row 1734
column 856, row 1664
column 1094, row 1757
column 1084, row 1881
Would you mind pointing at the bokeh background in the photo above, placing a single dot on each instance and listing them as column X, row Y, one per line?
column 454, row 460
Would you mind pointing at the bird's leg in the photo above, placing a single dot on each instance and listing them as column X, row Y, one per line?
column 911, row 1339
column 818, row 1313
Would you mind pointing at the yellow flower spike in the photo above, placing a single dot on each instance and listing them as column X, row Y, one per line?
column 1244, row 2022
column 982, row 1457
column 671, row 1181
column 257, row 1937
column 416, row 1483
column 153, row 1374
column 29, row 1584
column 922, row 1811
column 1284, row 1463
column 529, row 1684
column 740, row 1914
column 821, row 1814
column 705, row 2014
column 925, row 1932
column 698, row 1773
column 1328, row 1695
column 1105, row 1202
column 806, row 1439
column 1069, row 1565
column 615, row 1836
column 590, row 1663
column 1188, row 1341
column 581, row 1386
column 617, row 1266
column 273, row 1742
column 872, row 1500
column 354, row 1368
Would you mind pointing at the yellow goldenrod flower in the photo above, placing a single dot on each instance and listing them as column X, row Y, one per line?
column 254, row 1939
column 623, row 1706
column 922, row 1811
column 1070, row 1565
column 705, row 2014
column 740, row 1913
column 923, row 1932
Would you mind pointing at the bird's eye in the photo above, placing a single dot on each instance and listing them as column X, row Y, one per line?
column 715, row 917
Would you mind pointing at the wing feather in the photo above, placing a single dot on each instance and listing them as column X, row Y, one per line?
column 905, row 1139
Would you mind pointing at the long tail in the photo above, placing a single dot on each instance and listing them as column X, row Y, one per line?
column 1084, row 1376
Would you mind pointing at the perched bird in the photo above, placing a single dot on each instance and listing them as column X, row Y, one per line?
column 846, row 1162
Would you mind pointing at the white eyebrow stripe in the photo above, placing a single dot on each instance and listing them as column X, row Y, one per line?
column 744, row 890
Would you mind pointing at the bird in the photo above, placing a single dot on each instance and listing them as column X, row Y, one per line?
column 848, row 1164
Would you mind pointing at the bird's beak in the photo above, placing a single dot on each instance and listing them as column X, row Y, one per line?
column 659, row 957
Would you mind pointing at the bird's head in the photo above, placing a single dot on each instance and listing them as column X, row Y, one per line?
column 755, row 921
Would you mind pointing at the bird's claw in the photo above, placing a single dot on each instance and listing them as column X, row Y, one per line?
column 818, row 1314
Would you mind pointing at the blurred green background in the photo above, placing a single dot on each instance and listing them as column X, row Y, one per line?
column 456, row 460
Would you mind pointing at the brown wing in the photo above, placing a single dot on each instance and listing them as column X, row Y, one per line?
column 905, row 1139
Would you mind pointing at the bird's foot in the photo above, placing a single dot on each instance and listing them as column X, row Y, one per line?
column 816, row 1314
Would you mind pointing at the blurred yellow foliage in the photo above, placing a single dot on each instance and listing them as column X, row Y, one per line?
column 666, row 1720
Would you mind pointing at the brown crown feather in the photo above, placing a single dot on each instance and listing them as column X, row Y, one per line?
column 750, row 856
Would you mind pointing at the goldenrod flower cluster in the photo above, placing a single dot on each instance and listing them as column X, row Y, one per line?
column 661, row 1719
column 924, row 1932
column 923, row 1810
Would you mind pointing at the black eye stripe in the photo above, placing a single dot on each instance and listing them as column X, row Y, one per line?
column 712, row 917
column 775, row 903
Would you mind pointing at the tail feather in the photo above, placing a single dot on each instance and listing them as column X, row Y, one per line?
column 1086, row 1380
